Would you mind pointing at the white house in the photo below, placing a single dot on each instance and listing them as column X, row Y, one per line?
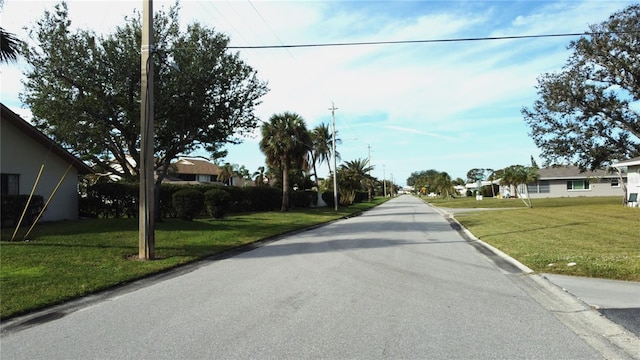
column 633, row 178
column 24, row 150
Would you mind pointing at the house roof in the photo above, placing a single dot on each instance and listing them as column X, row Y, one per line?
column 630, row 162
column 571, row 172
column 196, row 167
column 14, row 119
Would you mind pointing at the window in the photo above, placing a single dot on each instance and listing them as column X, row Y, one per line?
column 541, row 187
column 187, row 177
column 615, row 183
column 578, row 185
column 10, row 184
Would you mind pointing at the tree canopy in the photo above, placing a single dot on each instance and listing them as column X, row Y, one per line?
column 84, row 90
column 285, row 143
column 588, row 113
column 516, row 175
column 432, row 181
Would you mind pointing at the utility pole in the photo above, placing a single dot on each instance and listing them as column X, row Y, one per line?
column 333, row 145
column 146, row 237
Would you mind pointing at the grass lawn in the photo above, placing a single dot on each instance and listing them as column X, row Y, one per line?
column 598, row 234
column 65, row 260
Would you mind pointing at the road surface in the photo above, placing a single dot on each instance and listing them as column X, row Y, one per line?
column 395, row 282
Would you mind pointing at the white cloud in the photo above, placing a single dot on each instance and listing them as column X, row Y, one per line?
column 449, row 106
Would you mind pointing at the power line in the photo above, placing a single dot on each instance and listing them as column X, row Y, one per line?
column 515, row 37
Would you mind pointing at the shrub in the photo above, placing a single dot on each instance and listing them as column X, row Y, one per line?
column 13, row 206
column 263, row 198
column 111, row 200
column 361, row 196
column 303, row 199
column 486, row 190
column 216, row 202
column 327, row 196
column 188, row 203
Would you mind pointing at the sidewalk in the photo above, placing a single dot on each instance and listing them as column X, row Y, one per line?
column 619, row 301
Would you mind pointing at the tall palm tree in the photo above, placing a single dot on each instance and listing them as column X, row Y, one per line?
column 285, row 142
column 9, row 46
column 322, row 143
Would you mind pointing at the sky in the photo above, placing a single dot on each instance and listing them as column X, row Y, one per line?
column 449, row 106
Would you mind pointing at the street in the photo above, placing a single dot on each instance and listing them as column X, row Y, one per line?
column 395, row 282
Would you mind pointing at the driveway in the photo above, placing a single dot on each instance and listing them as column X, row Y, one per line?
column 395, row 282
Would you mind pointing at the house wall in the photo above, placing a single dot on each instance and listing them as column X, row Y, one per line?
column 633, row 180
column 20, row 154
column 558, row 188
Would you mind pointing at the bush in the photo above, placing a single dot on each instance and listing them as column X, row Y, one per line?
column 486, row 190
column 327, row 196
column 303, row 199
column 263, row 198
column 361, row 196
column 13, row 206
column 216, row 202
column 188, row 203
column 111, row 200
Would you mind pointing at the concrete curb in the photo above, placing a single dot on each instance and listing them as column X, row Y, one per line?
column 611, row 340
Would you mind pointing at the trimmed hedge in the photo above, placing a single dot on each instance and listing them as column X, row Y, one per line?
column 121, row 199
column 188, row 203
column 303, row 199
column 13, row 206
column 216, row 202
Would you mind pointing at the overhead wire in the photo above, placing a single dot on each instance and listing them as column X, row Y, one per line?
column 424, row 41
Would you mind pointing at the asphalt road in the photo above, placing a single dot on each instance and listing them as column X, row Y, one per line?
column 395, row 282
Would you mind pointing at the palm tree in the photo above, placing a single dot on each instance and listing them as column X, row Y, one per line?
column 226, row 174
column 259, row 176
column 492, row 178
column 443, row 183
column 322, row 143
column 244, row 173
column 516, row 175
column 9, row 46
column 285, row 142
column 354, row 176
column 321, row 149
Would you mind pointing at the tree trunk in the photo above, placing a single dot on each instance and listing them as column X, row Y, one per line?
column 285, row 185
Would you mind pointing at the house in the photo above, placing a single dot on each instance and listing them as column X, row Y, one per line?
column 568, row 181
column 194, row 170
column 200, row 171
column 24, row 150
column 633, row 179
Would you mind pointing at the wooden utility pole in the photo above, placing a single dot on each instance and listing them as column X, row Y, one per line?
column 146, row 243
column 333, row 145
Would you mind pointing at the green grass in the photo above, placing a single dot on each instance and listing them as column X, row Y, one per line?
column 66, row 260
column 598, row 234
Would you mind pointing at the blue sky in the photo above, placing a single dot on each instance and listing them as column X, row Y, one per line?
column 447, row 106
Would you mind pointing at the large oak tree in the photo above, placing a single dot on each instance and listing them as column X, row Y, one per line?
column 589, row 112
column 83, row 89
